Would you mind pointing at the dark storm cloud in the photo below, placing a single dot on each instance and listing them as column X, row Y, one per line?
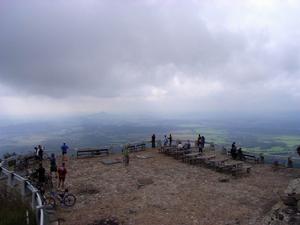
column 65, row 49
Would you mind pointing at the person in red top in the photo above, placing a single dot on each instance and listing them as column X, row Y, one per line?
column 62, row 171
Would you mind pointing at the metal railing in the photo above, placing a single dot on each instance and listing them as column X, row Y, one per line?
column 26, row 187
column 269, row 158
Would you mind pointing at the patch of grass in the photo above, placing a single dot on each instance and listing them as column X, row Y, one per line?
column 290, row 141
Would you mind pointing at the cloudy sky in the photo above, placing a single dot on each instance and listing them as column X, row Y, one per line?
column 62, row 57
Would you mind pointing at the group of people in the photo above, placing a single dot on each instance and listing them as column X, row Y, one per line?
column 236, row 153
column 168, row 142
column 39, row 152
column 57, row 172
column 200, row 142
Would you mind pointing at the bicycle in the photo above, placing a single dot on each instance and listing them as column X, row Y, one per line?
column 64, row 197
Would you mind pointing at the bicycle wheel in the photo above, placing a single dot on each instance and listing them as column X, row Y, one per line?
column 69, row 200
column 50, row 202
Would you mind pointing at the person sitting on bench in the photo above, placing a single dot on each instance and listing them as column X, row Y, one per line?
column 240, row 154
column 179, row 146
column 187, row 145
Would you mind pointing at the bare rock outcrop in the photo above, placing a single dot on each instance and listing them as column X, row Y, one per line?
column 287, row 211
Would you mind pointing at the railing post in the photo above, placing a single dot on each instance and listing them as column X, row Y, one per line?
column 23, row 187
column 33, row 200
column 10, row 180
column 34, row 205
column 2, row 176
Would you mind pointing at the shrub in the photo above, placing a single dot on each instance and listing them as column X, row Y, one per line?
column 13, row 209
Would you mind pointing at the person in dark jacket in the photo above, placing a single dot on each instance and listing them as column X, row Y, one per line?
column 202, row 141
column 170, row 140
column 233, row 151
column 153, row 141
column 290, row 162
column 53, row 166
column 41, row 174
column 240, row 154
column 40, row 152
column 200, row 148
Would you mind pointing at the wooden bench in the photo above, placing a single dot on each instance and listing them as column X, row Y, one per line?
column 136, row 148
column 91, row 152
column 131, row 148
column 188, row 157
column 215, row 162
column 180, row 153
column 202, row 159
column 140, row 147
column 169, row 150
column 240, row 170
column 229, row 167
column 251, row 158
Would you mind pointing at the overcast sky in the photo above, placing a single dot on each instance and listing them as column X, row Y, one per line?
column 62, row 57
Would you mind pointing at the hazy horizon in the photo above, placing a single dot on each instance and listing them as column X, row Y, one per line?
column 256, row 134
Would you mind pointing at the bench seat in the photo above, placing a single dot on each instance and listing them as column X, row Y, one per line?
column 91, row 152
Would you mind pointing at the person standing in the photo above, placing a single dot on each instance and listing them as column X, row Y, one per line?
column 233, row 151
column 41, row 174
column 64, row 151
column 40, row 152
column 53, row 166
column 36, row 149
column 290, row 162
column 126, row 156
column 62, row 171
column 170, row 140
column 165, row 140
column 199, row 140
column 153, row 141
column 200, row 148
column 202, row 141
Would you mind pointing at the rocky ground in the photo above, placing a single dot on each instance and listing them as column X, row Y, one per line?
column 163, row 191
column 286, row 211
